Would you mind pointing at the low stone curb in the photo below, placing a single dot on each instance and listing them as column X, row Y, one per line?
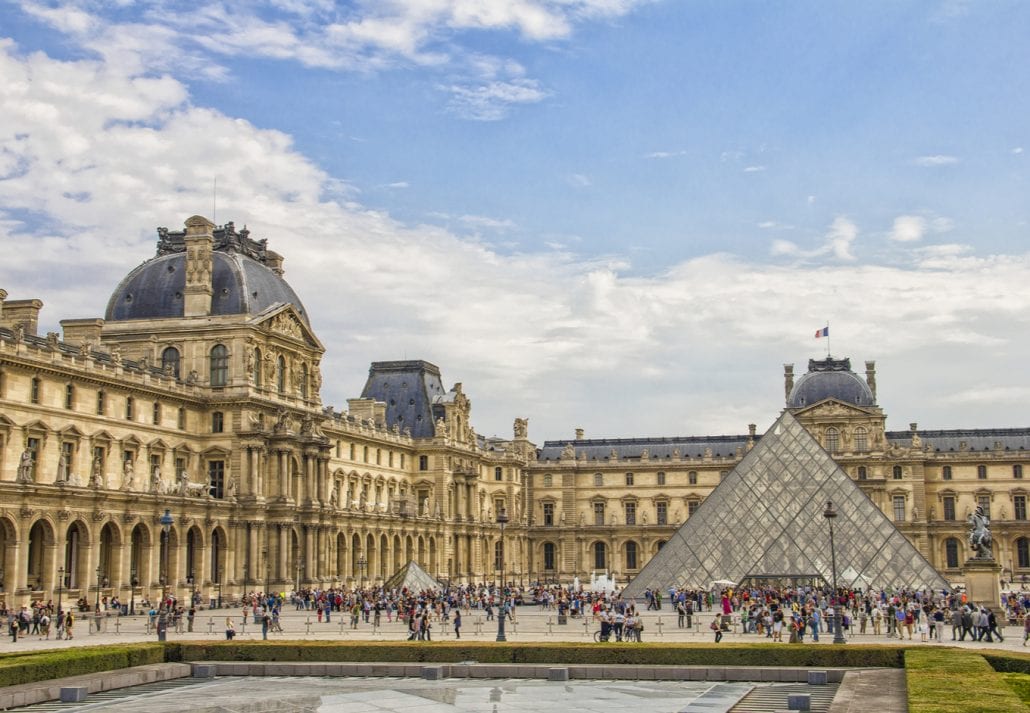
column 495, row 670
column 29, row 693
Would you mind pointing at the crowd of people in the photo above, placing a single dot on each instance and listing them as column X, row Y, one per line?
column 791, row 614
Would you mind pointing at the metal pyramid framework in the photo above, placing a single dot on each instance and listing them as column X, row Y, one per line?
column 413, row 578
column 765, row 521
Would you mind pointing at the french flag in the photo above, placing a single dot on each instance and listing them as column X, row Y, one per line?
column 824, row 332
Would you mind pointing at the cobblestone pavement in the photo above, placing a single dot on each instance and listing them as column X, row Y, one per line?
column 532, row 624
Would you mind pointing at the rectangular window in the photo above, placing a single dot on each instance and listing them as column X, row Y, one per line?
column 896, row 472
column 155, row 463
column 661, row 478
column 67, row 451
column 598, row 513
column 499, row 506
column 217, row 422
column 862, row 472
column 899, row 508
column 180, row 468
column 1017, row 471
column 157, row 414
column 33, row 445
column 379, row 456
column 352, row 454
column 984, row 501
column 130, row 408
column 692, row 477
column 69, row 397
column 1019, row 507
column 548, row 480
column 423, row 462
column 402, row 461
column 548, row 514
column 631, row 513
column 949, row 507
column 181, row 419
column 389, row 459
column 662, row 511
column 101, row 403
column 981, row 472
column 498, row 473
column 549, row 556
column 629, row 479
column 216, row 478
column 364, row 454
column 598, row 480
column 34, row 390
column 692, row 507
column 946, row 473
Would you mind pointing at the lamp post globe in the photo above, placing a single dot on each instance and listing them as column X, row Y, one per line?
column 838, row 610
column 502, row 520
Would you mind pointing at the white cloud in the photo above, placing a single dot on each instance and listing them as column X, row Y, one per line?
column 664, row 154
column 908, row 228
column 579, row 180
column 103, row 158
column 1018, row 150
column 837, row 243
column 754, row 169
column 935, row 160
column 398, row 184
column 485, row 222
column 493, row 100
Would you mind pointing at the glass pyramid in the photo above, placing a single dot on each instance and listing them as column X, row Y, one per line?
column 764, row 522
column 413, row 578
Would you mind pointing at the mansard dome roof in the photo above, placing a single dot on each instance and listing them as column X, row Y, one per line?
column 830, row 379
column 246, row 278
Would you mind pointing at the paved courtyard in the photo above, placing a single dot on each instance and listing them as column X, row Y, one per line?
column 532, row 624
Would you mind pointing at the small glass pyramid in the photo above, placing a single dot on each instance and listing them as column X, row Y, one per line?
column 764, row 523
column 413, row 578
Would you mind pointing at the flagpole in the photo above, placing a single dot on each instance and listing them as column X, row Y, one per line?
column 827, row 339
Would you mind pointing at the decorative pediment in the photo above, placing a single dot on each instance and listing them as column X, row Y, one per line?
column 832, row 409
column 284, row 321
column 71, row 432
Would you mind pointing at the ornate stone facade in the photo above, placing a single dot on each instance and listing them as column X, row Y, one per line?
column 610, row 504
column 213, row 411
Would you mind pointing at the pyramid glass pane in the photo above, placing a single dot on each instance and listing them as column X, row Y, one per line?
column 765, row 519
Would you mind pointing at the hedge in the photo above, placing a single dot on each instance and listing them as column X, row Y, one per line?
column 954, row 681
column 453, row 652
column 46, row 665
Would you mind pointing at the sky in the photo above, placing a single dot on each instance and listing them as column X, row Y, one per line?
column 619, row 215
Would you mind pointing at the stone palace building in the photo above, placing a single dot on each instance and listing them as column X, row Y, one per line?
column 198, row 395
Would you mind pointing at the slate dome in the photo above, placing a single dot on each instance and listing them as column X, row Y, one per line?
column 830, row 379
column 246, row 278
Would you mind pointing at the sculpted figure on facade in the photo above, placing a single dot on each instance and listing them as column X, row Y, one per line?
column 25, row 467
column 231, row 488
column 128, row 475
column 250, row 363
column 269, row 367
column 96, row 473
column 189, row 489
column 155, row 479
column 521, row 428
column 332, row 496
column 62, row 469
column 568, row 452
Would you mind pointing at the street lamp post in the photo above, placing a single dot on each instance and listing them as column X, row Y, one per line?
column 133, row 581
column 300, row 569
column 502, row 519
column 362, row 563
column 193, row 591
column 100, row 574
column 218, row 586
column 162, row 613
column 60, row 583
column 838, row 612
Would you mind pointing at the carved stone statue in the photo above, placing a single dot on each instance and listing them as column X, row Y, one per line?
column 193, row 377
column 269, row 370
column 521, row 427
column 282, row 422
column 561, row 518
column 332, row 497
column 187, row 488
column 230, row 489
column 568, row 452
column 25, row 467
column 155, row 479
column 441, row 427
column 128, row 476
column 62, row 469
column 424, row 510
column 980, row 534
column 96, row 474
column 250, row 363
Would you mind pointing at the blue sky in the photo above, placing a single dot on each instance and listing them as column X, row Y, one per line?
column 624, row 215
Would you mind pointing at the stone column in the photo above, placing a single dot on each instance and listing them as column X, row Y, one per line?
column 309, row 552
column 283, row 552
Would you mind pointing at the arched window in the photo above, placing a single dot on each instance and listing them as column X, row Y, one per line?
column 951, row 549
column 549, row 556
column 280, row 375
column 219, row 365
column 631, row 555
column 170, row 361
column 861, row 439
column 1023, row 553
column 600, row 556
column 258, row 371
column 832, row 440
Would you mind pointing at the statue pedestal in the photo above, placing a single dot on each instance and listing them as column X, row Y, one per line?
column 983, row 582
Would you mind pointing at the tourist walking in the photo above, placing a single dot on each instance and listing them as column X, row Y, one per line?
column 457, row 624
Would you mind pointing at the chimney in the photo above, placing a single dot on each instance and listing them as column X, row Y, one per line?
column 870, row 377
column 788, row 381
column 274, row 262
column 82, row 331
column 3, row 296
column 199, row 244
column 20, row 312
column 580, row 433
